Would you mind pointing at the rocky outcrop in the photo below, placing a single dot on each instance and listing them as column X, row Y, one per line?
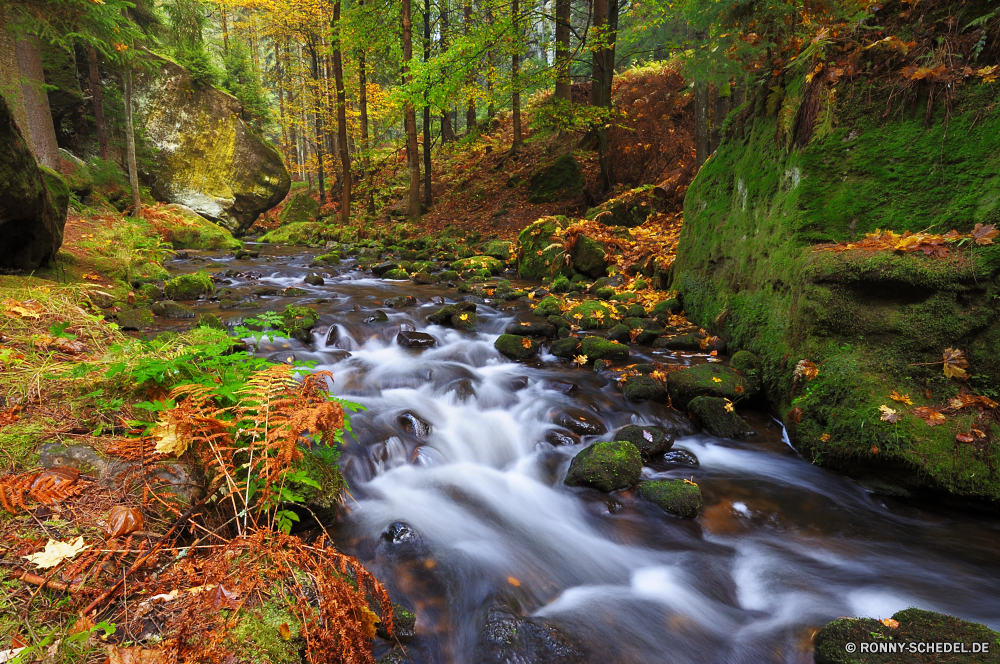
column 835, row 333
column 31, row 216
column 208, row 159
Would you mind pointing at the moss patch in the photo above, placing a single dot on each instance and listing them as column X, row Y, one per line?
column 189, row 286
column 606, row 466
column 186, row 229
column 676, row 497
column 488, row 263
column 592, row 315
column 516, row 346
column 540, row 253
column 711, row 380
column 298, row 322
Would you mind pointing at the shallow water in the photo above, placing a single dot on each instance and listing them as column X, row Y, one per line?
column 473, row 512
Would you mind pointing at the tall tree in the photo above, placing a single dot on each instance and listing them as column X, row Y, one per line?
column 515, row 78
column 317, row 111
column 97, row 96
column 363, row 112
column 133, row 171
column 428, row 193
column 563, row 88
column 470, row 108
column 345, row 155
column 412, row 153
column 36, row 101
column 447, row 134
column 605, row 24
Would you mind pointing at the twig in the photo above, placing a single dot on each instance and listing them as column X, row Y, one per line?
column 34, row 579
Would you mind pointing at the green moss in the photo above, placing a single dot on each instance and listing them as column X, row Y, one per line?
column 449, row 275
column 19, row 441
column 488, row 263
column 540, row 253
column 549, row 306
column 189, row 286
column 301, row 207
column 516, row 346
column 715, row 417
column 499, row 249
column 210, row 320
column 560, row 284
column 565, row 348
column 748, row 365
column 591, row 315
column 298, row 322
column 135, row 319
column 332, row 258
column 58, row 190
column 676, row 497
column 644, row 388
column 396, row 274
column 629, row 209
column 589, row 257
column 461, row 316
column 256, row 636
column 596, row 348
column 619, row 333
column 712, row 380
column 650, row 440
column 606, row 466
column 301, row 233
column 562, row 179
column 185, row 229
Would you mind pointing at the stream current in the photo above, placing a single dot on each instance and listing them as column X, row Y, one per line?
column 457, row 502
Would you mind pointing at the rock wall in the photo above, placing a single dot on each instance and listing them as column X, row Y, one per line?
column 209, row 160
column 31, row 217
column 872, row 322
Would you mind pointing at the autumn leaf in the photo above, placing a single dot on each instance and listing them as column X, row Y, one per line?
column 123, row 520
column 580, row 360
column 888, row 415
column 526, row 343
column 930, row 415
column 795, row 415
column 463, row 317
column 964, row 438
column 874, row 450
column 55, row 552
column 659, row 375
column 225, row 599
column 955, row 364
column 825, row 438
column 729, row 406
column 284, row 631
column 169, row 439
column 716, row 380
column 901, row 398
column 984, row 234
column 890, row 623
column 806, row 369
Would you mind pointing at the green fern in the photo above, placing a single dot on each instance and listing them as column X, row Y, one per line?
column 825, row 117
column 774, row 99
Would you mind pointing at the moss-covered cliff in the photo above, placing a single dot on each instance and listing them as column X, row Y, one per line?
column 872, row 322
column 208, row 159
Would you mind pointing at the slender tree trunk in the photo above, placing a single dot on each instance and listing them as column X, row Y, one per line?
column 97, row 92
column 365, row 157
column 318, row 120
column 719, row 114
column 515, row 75
column 412, row 152
column 345, row 155
column 700, row 121
column 279, row 74
column 36, row 102
column 563, row 89
column 470, row 108
column 133, row 173
column 225, row 32
column 428, row 192
column 599, row 21
column 602, row 72
column 447, row 136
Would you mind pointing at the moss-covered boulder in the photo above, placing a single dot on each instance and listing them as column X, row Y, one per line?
column 516, row 347
column 917, row 631
column 718, row 417
column 548, row 306
column 596, row 348
column 304, row 233
column 591, row 315
column 566, row 348
column 189, row 286
column 461, row 316
column 589, row 257
column 644, row 388
column 606, row 466
column 301, row 207
column 540, row 253
column 58, row 191
column 210, row 320
column 664, row 309
column 184, row 228
column 298, row 322
column 76, row 173
column 712, row 380
column 562, row 179
column 620, row 333
column 651, row 440
column 135, row 319
column 498, row 249
column 489, row 263
column 171, row 309
column 396, row 275
column 871, row 322
column 206, row 157
column 629, row 209
column 677, row 497
column 326, row 260
column 749, row 367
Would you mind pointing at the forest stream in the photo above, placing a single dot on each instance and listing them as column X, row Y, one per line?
column 456, row 501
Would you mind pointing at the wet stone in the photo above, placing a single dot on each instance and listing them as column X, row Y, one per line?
column 404, row 624
column 561, row 437
column 401, row 301
column 415, row 339
column 170, row 309
column 560, row 386
column 580, row 421
column 651, row 440
column 332, row 335
column 400, row 533
column 265, row 291
column 507, row 638
column 413, row 425
column 377, row 317
column 286, row 357
column 292, row 291
column 530, row 329
column 314, row 280
column 681, row 458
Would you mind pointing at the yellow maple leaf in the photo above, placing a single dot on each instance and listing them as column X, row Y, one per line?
column 888, row 414
column 580, row 359
column 169, row 439
column 463, row 317
column 716, row 380
column 729, row 406
column 55, row 552
column 526, row 343
column 901, row 398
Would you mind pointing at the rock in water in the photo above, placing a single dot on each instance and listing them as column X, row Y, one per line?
column 413, row 339
column 207, row 158
column 606, row 466
column 677, row 497
column 718, row 417
column 651, row 440
column 31, row 217
column 710, row 380
column 507, row 637
column 580, row 421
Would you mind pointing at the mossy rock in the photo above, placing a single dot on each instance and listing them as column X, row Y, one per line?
column 560, row 284
column 401, row 302
column 499, row 249
column 607, row 466
column 620, row 333
column 212, row 321
column 301, row 207
column 630, row 209
column 487, row 263
column 396, row 275
column 326, row 260
column 644, row 388
column 565, row 348
column 188, row 287
column 677, row 497
column 424, row 278
column 516, row 347
column 591, row 315
column 560, row 180
column 718, row 417
column 135, row 319
column 326, row 498
column 303, row 233
column 184, row 228
column 589, row 257
column 651, row 440
column 548, row 306
column 666, row 308
column 540, row 253
column 749, row 367
column 449, row 275
column 298, row 322
column 709, row 380
column 58, row 190
column 917, row 630
column 76, row 174
column 530, row 329
column 688, row 342
column 461, row 315
column 627, row 296
column 171, row 309
column 604, row 292
column 294, row 291
column 596, row 348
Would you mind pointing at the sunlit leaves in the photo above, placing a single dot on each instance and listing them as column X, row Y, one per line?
column 955, row 364
column 888, row 415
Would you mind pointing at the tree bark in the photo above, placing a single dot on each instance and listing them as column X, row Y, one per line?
column 515, row 70
column 719, row 114
column 225, row 33
column 470, row 109
column 36, row 102
column 563, row 85
column 279, row 74
column 345, row 155
column 412, row 152
column 700, row 121
column 97, row 94
column 318, row 120
column 447, row 135
column 428, row 192
column 599, row 21
column 133, row 173
column 363, row 108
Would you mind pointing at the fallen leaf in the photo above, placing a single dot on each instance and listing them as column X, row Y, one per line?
column 964, row 438
column 8, row 655
column 795, row 415
column 526, row 343
column 225, row 599
column 514, row 581
column 55, row 552
column 134, row 655
column 580, row 359
column 122, row 521
column 806, row 369
column 284, row 631
column 169, row 439
column 984, row 234
column 955, row 364
column 929, row 415
column 890, row 623
column 729, row 406
column 889, row 415
column 825, row 438
column 874, row 450
column 901, row 398
column 716, row 380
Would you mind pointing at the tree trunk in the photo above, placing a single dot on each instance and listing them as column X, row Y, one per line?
column 599, row 21
column 447, row 135
column 133, row 173
column 605, row 24
column 279, row 74
column 345, row 155
column 412, row 152
column 428, row 192
column 36, row 102
column 515, row 70
column 97, row 93
column 700, row 121
column 470, row 109
column 719, row 114
column 318, row 120
column 363, row 108
column 563, row 85
column 225, row 32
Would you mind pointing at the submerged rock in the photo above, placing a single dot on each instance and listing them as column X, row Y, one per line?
column 649, row 439
column 314, row 280
column 206, row 157
column 566, row 348
column 515, row 346
column 644, row 388
column 298, row 322
column 461, row 316
column 677, row 497
column 580, row 421
column 718, row 417
column 606, row 466
column 710, row 380
column 404, row 624
column 596, row 348
column 681, row 458
column 507, row 638
column 413, row 425
column 401, row 301
column 412, row 339
column 561, row 437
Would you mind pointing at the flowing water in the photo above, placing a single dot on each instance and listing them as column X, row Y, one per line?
column 457, row 502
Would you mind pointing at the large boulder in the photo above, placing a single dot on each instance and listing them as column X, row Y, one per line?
column 76, row 173
column 31, row 216
column 837, row 332
column 207, row 158
column 301, row 207
column 606, row 466
column 629, row 209
column 560, row 180
column 705, row 380
column 589, row 257
column 185, row 229
column 677, row 497
column 540, row 253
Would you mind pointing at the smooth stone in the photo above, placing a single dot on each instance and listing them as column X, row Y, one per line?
column 580, row 421
column 415, row 339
